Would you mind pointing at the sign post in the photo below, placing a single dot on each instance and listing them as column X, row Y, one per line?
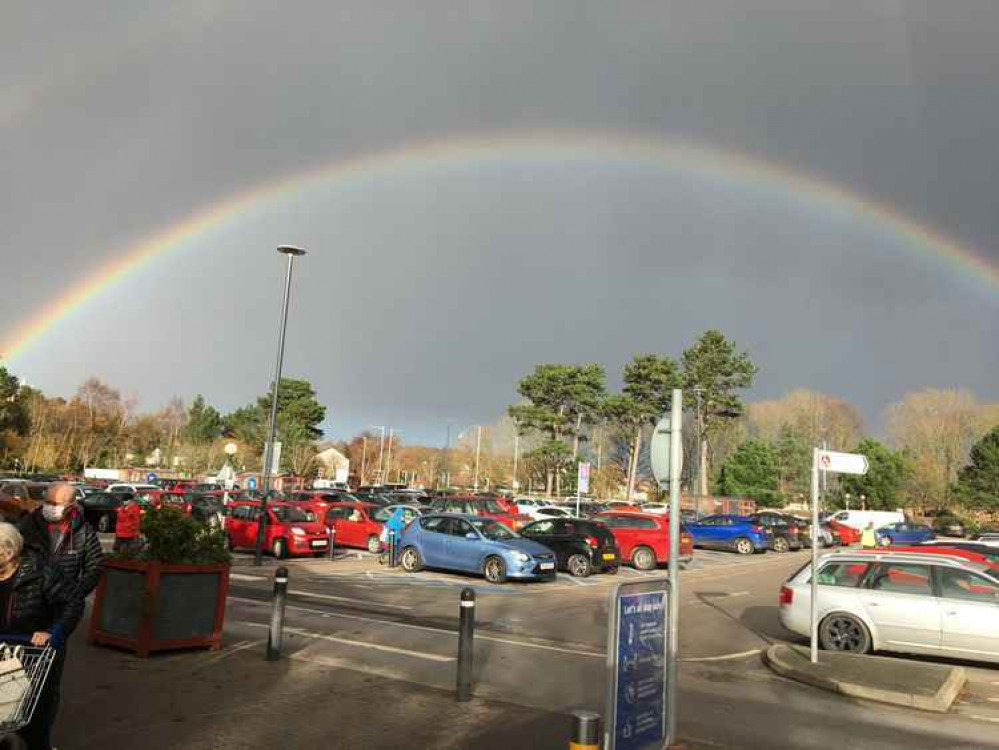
column 637, row 655
column 582, row 482
column 840, row 463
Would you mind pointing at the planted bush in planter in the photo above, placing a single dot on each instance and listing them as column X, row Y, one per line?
column 168, row 594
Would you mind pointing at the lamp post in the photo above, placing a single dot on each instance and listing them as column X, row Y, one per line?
column 291, row 253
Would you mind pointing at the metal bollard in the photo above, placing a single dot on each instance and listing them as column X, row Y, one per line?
column 277, row 614
column 466, row 635
column 332, row 531
column 585, row 731
column 393, row 557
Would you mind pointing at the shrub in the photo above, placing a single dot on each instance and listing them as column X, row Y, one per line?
column 175, row 538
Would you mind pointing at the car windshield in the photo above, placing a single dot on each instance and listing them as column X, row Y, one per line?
column 493, row 530
column 291, row 514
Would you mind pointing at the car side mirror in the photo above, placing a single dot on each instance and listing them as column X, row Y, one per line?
column 471, row 535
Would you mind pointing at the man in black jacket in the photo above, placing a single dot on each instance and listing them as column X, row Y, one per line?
column 58, row 532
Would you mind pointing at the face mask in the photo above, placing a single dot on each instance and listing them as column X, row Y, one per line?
column 53, row 512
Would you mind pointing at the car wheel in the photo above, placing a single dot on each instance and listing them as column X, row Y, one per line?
column 280, row 549
column 842, row 632
column 411, row 560
column 104, row 523
column 374, row 545
column 743, row 546
column 494, row 570
column 643, row 558
column 780, row 544
column 579, row 566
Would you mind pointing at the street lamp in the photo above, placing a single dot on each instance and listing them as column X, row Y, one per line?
column 291, row 253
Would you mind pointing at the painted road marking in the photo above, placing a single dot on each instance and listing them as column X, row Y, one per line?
column 347, row 599
column 724, row 657
column 426, row 629
column 244, row 577
column 359, row 644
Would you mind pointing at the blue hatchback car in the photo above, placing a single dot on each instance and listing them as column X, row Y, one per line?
column 737, row 533
column 905, row 533
column 473, row 544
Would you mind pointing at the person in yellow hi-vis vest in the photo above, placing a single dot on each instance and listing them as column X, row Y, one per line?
column 868, row 539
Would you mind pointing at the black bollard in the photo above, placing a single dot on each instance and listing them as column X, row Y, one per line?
column 277, row 614
column 393, row 557
column 466, row 635
column 332, row 531
column 585, row 731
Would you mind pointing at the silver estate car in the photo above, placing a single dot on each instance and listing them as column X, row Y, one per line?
column 917, row 603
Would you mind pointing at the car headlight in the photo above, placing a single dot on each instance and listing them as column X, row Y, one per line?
column 297, row 531
column 521, row 557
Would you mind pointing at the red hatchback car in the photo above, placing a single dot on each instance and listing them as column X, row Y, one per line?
column 288, row 531
column 355, row 526
column 643, row 538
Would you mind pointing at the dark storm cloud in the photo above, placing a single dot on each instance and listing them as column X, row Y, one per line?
column 428, row 295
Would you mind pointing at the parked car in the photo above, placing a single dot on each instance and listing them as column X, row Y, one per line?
column 643, row 538
column 288, row 530
column 581, row 546
column 135, row 488
column 660, row 509
column 409, row 512
column 100, row 509
column 480, row 506
column 857, row 521
column 737, row 533
column 355, row 525
column 905, row 533
column 18, row 498
column 846, row 534
column 784, row 534
column 474, row 544
column 949, row 526
column 989, row 552
column 898, row 601
column 528, row 505
column 691, row 516
column 964, row 554
column 210, row 509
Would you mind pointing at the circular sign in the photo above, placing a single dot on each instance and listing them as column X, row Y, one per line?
column 151, row 478
column 230, row 449
column 251, row 483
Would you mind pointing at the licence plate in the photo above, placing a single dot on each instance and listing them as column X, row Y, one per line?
column 609, row 555
column 319, row 542
column 547, row 566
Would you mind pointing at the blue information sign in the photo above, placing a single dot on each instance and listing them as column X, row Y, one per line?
column 151, row 478
column 251, row 483
column 639, row 679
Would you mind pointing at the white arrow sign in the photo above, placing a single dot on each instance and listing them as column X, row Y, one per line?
column 843, row 463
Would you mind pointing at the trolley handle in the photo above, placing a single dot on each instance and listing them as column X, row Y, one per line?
column 25, row 639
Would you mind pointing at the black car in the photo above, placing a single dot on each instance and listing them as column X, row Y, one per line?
column 581, row 546
column 784, row 535
column 100, row 509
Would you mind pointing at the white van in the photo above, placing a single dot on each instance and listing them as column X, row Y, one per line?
column 858, row 519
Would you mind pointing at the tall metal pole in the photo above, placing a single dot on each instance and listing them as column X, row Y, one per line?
column 478, row 450
column 675, row 459
column 814, row 627
column 516, row 457
column 388, row 458
column 381, row 454
column 291, row 253
column 447, row 456
column 364, row 457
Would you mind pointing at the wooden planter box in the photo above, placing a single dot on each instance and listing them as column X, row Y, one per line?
column 152, row 606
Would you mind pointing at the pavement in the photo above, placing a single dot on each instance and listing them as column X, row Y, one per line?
column 370, row 649
column 903, row 682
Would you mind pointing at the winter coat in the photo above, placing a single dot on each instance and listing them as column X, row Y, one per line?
column 42, row 600
column 77, row 553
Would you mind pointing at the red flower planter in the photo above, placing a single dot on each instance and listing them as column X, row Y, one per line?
column 151, row 606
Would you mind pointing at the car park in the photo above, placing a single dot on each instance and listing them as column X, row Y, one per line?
column 905, row 533
column 488, row 507
column 356, row 525
column 474, row 544
column 728, row 532
column 643, row 538
column 581, row 546
column 288, row 530
column 910, row 602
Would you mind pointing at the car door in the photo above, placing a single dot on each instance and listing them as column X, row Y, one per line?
column 463, row 553
column 969, row 613
column 899, row 599
column 235, row 523
column 543, row 532
column 706, row 531
column 433, row 535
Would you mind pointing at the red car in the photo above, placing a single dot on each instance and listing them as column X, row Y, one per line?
column 847, row 534
column 940, row 549
column 643, row 538
column 489, row 507
column 354, row 525
column 288, row 531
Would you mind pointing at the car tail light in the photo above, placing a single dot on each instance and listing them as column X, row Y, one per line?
column 786, row 595
column 593, row 541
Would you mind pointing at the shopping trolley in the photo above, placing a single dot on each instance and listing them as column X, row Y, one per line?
column 23, row 671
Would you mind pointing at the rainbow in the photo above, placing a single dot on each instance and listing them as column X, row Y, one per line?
column 566, row 145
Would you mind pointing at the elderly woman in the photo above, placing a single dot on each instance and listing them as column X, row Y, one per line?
column 38, row 603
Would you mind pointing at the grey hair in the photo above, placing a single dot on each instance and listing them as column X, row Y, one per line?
column 61, row 491
column 11, row 541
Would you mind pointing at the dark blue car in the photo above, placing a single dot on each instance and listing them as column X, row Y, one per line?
column 737, row 533
column 905, row 533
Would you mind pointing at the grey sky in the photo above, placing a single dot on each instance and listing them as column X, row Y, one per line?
column 429, row 292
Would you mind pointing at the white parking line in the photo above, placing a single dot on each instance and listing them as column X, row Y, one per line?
column 347, row 599
column 244, row 577
column 723, row 657
column 359, row 644
column 406, row 625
